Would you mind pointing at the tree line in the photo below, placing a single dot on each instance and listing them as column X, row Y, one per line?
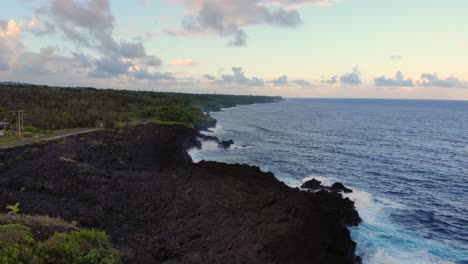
column 52, row 108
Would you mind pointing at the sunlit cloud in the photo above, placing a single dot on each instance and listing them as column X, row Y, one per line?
column 182, row 62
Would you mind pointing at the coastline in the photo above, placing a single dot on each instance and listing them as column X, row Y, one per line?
column 143, row 189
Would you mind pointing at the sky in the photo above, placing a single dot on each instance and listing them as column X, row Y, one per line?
column 404, row 49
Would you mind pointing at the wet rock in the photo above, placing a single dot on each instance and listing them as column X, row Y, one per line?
column 312, row 184
column 226, row 144
column 337, row 186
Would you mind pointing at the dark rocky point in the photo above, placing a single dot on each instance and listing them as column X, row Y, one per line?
column 142, row 188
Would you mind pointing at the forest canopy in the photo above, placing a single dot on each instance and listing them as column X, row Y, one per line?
column 53, row 108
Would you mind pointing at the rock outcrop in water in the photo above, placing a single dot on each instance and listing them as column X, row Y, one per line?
column 315, row 185
column 143, row 189
column 226, row 144
column 223, row 144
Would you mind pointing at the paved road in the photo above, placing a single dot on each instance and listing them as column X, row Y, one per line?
column 57, row 135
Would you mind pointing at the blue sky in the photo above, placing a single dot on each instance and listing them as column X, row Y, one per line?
column 293, row 48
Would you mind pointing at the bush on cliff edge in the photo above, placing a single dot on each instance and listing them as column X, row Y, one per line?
column 85, row 246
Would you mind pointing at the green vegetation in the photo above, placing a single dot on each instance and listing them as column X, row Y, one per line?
column 31, row 131
column 17, row 245
column 14, row 209
column 38, row 220
column 175, row 114
column 85, row 246
column 6, row 139
column 52, row 108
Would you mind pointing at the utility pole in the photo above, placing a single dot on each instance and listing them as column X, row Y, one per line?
column 20, row 123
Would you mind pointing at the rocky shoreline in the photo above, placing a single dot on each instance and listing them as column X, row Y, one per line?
column 142, row 188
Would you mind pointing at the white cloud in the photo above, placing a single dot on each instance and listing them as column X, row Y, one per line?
column 433, row 80
column 397, row 81
column 10, row 43
column 91, row 24
column 350, row 78
column 284, row 81
column 229, row 18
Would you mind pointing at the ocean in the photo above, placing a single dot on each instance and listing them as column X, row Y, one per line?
column 406, row 160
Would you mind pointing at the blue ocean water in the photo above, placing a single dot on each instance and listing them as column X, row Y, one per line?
column 406, row 160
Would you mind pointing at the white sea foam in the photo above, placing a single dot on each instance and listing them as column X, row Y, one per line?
column 379, row 240
column 228, row 108
column 293, row 183
column 213, row 130
column 197, row 154
column 208, row 146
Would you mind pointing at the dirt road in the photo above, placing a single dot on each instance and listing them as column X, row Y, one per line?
column 56, row 135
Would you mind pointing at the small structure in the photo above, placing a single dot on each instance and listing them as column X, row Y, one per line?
column 3, row 128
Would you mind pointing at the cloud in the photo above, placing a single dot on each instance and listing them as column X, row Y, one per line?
column 294, row 4
column 153, row 76
column 396, row 57
column 332, row 80
column 152, row 61
column 397, row 81
column 182, row 62
column 229, row 18
column 239, row 78
column 90, row 24
column 42, row 28
column 281, row 81
column 236, row 78
column 284, row 81
column 240, row 39
column 48, row 61
column 82, row 59
column 132, row 50
column 433, row 80
column 10, row 43
column 302, row 83
column 350, row 78
column 110, row 67
column 209, row 77
column 9, row 28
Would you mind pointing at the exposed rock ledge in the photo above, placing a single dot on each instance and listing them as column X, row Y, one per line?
column 142, row 188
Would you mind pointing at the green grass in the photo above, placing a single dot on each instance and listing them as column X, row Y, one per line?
column 6, row 139
column 170, row 123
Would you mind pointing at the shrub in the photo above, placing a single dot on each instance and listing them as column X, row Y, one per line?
column 32, row 129
column 81, row 247
column 18, row 246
